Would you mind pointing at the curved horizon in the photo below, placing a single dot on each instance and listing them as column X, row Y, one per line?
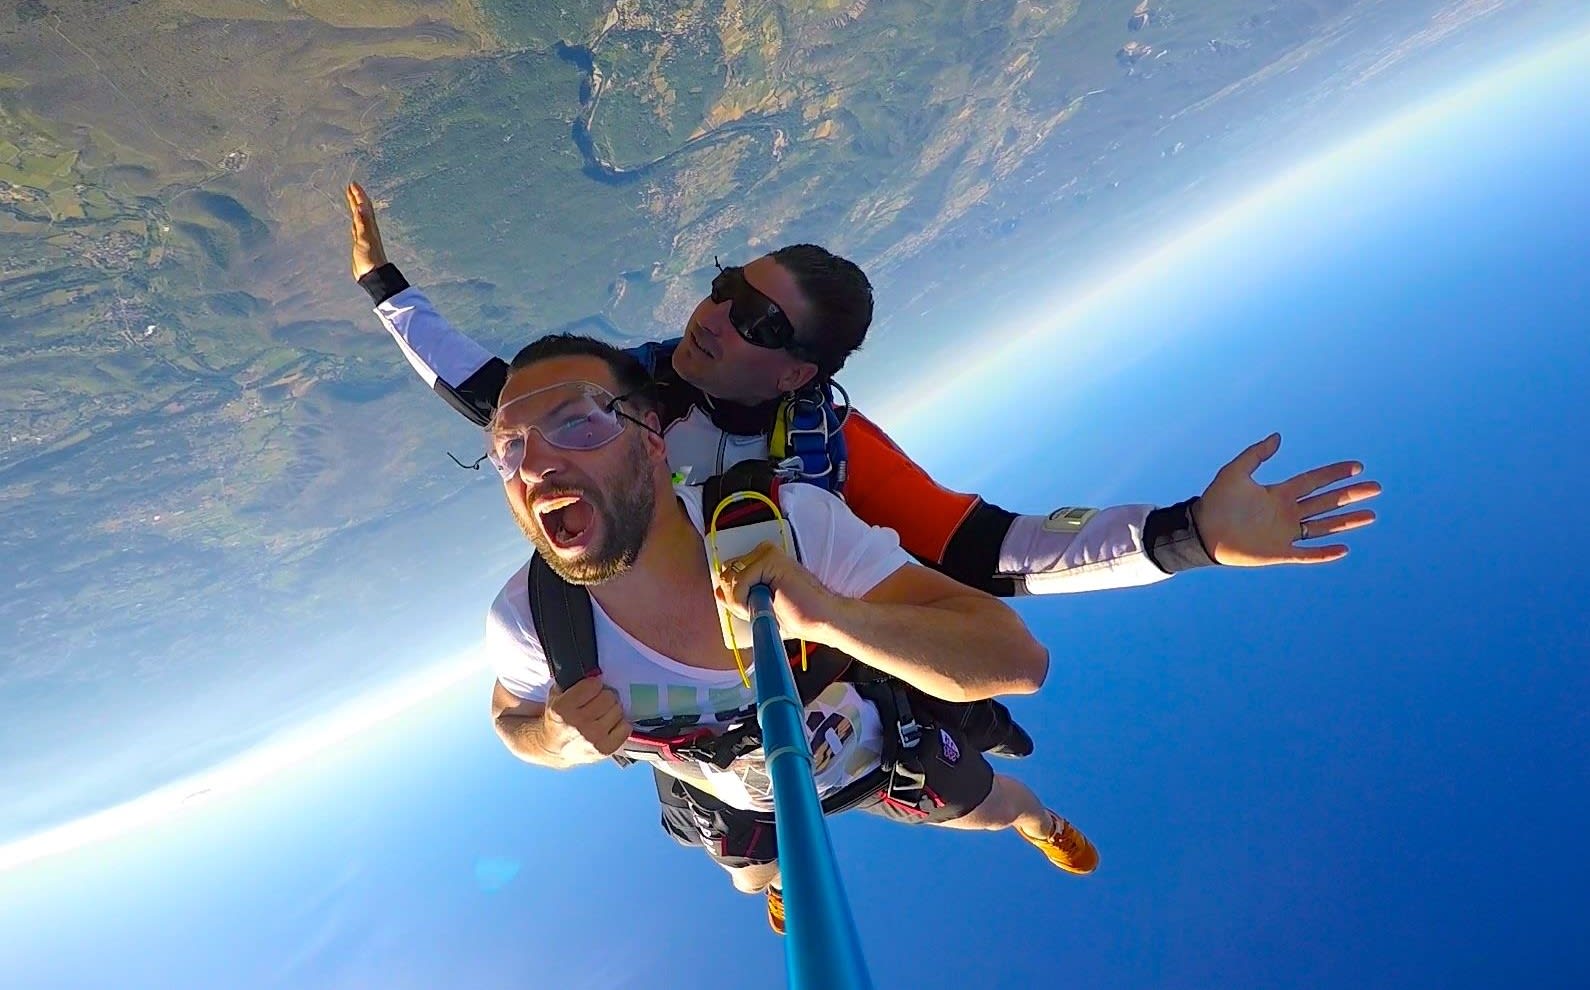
column 1220, row 222
column 248, row 768
column 364, row 713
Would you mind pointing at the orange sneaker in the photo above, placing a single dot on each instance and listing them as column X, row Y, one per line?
column 775, row 910
column 1066, row 847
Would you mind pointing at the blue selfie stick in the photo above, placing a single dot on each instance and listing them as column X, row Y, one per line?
column 823, row 950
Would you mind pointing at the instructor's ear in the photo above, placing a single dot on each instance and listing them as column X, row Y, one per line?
column 797, row 377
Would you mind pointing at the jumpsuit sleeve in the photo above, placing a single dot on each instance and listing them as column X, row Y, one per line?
column 1006, row 554
column 465, row 374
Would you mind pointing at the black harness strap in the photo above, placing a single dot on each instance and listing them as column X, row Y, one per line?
column 567, row 630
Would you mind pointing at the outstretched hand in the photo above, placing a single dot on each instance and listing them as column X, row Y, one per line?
column 1246, row 524
column 368, row 253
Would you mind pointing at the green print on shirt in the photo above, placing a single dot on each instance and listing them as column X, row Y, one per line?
column 685, row 706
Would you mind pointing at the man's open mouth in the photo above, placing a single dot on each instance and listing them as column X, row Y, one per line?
column 566, row 519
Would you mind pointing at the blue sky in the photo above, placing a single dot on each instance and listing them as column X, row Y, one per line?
column 1368, row 774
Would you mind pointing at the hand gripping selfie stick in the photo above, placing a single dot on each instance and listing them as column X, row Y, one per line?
column 823, row 951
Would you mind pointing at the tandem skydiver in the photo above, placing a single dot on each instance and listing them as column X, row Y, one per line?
column 608, row 640
column 757, row 357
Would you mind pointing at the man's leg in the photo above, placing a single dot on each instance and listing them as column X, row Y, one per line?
column 759, row 878
column 960, row 790
column 1012, row 804
column 1009, row 803
column 744, row 843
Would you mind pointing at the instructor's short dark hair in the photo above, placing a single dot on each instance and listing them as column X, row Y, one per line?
column 634, row 384
column 841, row 299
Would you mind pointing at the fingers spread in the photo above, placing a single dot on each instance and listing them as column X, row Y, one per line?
column 1302, row 484
column 1318, row 555
column 1326, row 501
column 1249, row 460
column 1339, row 524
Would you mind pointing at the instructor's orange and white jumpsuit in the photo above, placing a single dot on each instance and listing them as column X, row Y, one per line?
column 960, row 534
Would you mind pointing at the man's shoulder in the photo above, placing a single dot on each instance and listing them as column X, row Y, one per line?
column 512, row 646
column 656, row 356
column 804, row 501
column 820, row 521
column 510, row 617
column 838, row 545
column 693, row 498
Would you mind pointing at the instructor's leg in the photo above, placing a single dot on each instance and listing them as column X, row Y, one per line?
column 1013, row 804
column 755, row 869
column 1009, row 803
column 970, row 796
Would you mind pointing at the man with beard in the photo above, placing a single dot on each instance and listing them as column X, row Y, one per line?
column 578, row 444
column 789, row 320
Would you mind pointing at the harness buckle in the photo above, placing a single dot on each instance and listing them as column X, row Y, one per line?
column 789, row 469
column 807, row 442
column 684, row 748
column 910, row 733
column 719, row 749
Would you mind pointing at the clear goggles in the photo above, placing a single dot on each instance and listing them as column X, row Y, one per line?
column 569, row 415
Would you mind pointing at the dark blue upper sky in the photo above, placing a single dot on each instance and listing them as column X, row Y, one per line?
column 1367, row 774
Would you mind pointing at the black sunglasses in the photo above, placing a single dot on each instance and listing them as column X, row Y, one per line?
column 757, row 319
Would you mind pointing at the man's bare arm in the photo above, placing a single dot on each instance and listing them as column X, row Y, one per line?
column 936, row 634
column 951, row 641
column 521, row 725
column 582, row 725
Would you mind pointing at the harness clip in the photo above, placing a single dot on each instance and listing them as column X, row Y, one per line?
column 685, row 748
column 910, row 734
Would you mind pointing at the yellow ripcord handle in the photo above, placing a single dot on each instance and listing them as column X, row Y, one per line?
column 717, row 565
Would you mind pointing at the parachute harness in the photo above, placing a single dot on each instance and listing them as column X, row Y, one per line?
column 806, row 443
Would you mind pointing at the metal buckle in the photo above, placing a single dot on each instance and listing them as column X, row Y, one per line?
column 798, row 466
column 910, row 733
column 683, row 749
column 793, row 466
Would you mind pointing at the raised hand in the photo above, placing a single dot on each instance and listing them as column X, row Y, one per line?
column 368, row 253
column 1246, row 524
